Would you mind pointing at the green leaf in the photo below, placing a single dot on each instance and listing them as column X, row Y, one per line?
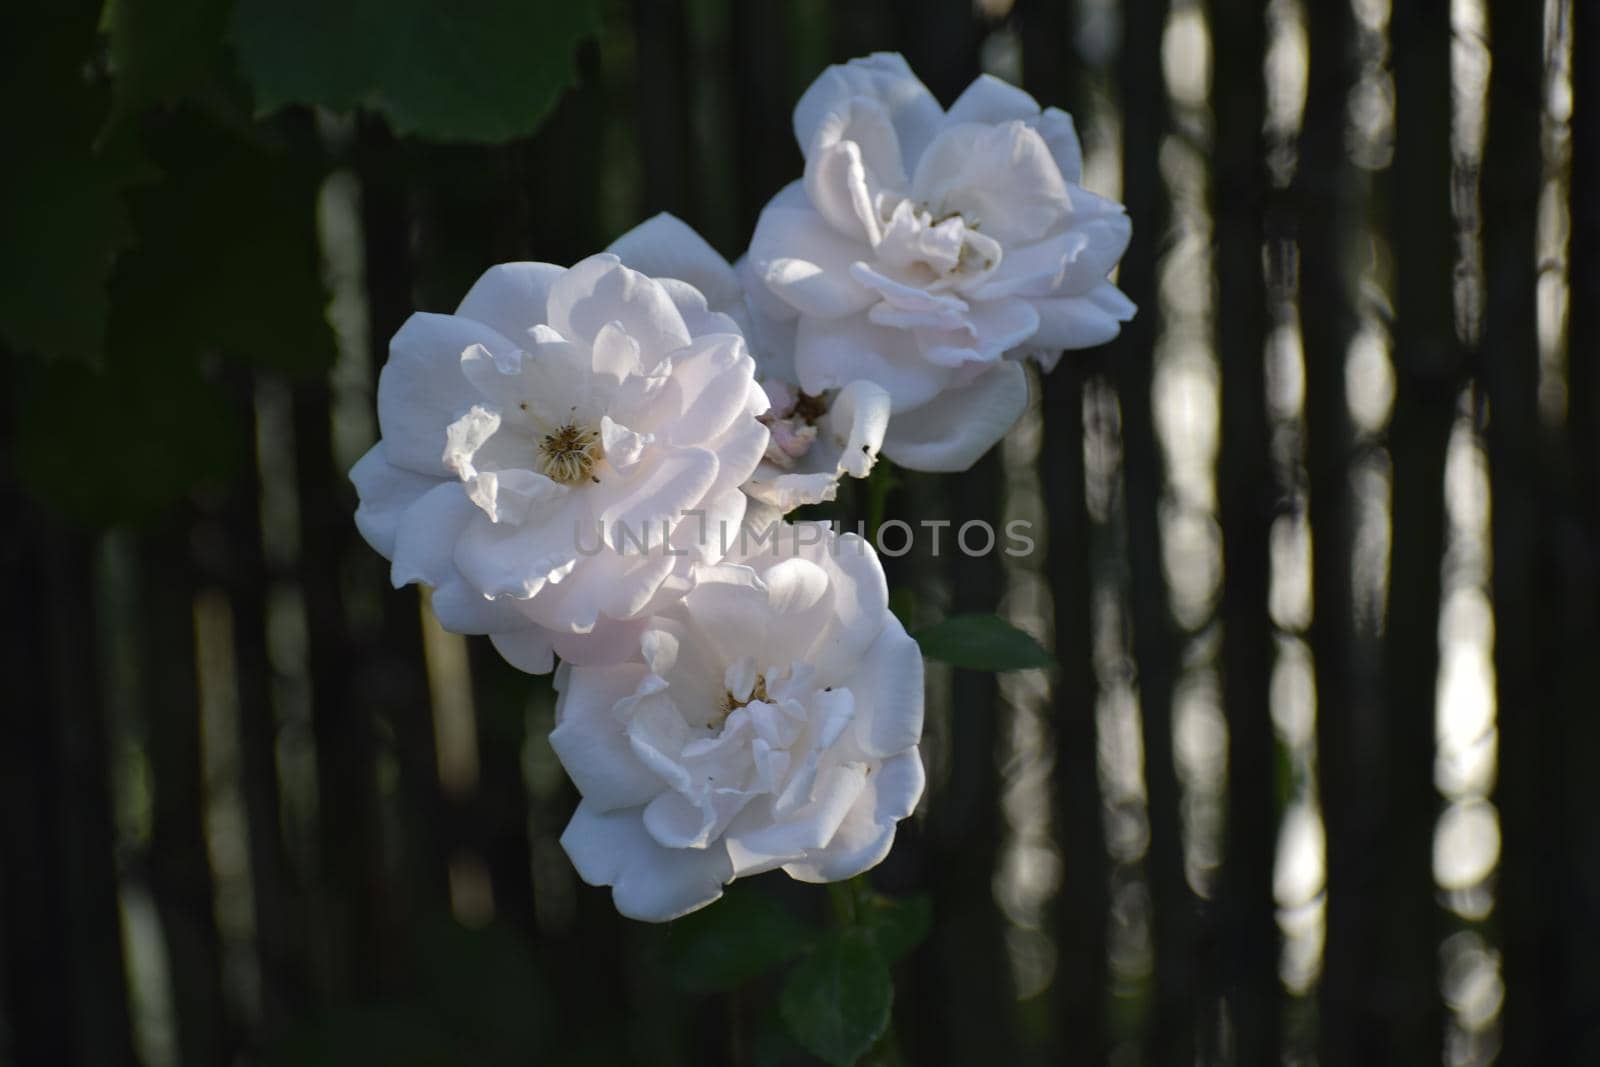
column 896, row 925
column 115, row 444
column 740, row 937
column 227, row 261
column 483, row 983
column 982, row 643
column 478, row 70
column 836, row 1002
column 226, row 267
column 163, row 50
column 63, row 218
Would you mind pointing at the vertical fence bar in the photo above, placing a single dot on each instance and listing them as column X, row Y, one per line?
column 354, row 904
column 1581, row 546
column 392, row 676
column 180, row 869
column 1402, row 1012
column 768, row 158
column 976, row 1008
column 63, row 984
column 1508, row 367
column 662, row 102
column 1247, row 928
column 1325, row 192
column 1080, row 990
column 279, row 935
column 1170, row 1033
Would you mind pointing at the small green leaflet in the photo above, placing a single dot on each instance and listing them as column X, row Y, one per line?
column 837, row 1001
column 896, row 925
column 982, row 643
column 741, row 937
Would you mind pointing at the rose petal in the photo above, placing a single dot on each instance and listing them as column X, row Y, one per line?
column 600, row 290
column 953, row 431
column 650, row 883
column 665, row 246
column 385, row 492
column 511, row 297
column 885, row 78
column 866, row 833
column 421, row 389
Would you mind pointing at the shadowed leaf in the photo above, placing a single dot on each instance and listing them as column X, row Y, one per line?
column 742, row 936
column 62, row 214
column 484, row 70
column 837, row 1001
column 896, row 925
column 162, row 50
column 982, row 643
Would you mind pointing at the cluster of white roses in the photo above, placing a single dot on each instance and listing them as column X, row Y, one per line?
column 574, row 463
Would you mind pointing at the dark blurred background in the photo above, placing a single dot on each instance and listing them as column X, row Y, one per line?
column 1313, row 781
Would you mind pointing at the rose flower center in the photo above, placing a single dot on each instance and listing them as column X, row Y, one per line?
column 569, row 455
column 731, row 703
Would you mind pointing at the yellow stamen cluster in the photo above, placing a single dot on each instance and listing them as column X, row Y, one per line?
column 731, row 703
column 569, row 454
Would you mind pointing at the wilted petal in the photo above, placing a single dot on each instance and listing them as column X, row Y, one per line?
column 857, row 420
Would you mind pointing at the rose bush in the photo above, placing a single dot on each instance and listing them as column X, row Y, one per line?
column 770, row 719
column 929, row 251
column 578, row 463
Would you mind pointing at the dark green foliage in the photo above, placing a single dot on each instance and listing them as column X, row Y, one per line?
column 154, row 235
column 161, row 51
column 224, row 266
column 227, row 259
column 982, row 643
column 120, row 443
column 895, row 925
column 475, row 997
column 741, row 937
column 837, row 1001
column 485, row 70
column 63, row 217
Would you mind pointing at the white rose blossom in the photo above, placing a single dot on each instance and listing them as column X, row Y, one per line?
column 770, row 719
column 545, row 446
column 816, row 439
column 922, row 248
